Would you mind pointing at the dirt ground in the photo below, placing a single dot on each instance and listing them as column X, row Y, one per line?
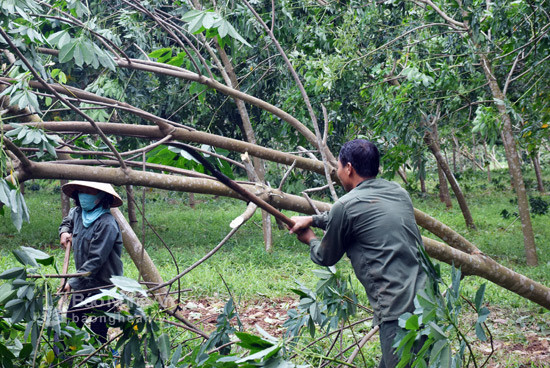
column 270, row 314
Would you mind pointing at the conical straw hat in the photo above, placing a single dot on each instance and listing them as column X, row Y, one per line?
column 71, row 188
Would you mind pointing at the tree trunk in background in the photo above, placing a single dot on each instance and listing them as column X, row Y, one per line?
column 514, row 165
column 192, row 200
column 487, row 160
column 131, row 203
column 402, row 173
column 454, row 158
column 444, row 195
column 422, row 183
column 430, row 137
column 535, row 159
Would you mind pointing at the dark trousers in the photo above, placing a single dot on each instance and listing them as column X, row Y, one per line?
column 78, row 315
column 387, row 333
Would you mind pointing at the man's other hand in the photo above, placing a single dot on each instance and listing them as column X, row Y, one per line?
column 300, row 223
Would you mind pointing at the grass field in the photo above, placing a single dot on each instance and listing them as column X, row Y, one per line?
column 252, row 274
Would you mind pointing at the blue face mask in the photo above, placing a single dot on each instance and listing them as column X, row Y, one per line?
column 89, row 201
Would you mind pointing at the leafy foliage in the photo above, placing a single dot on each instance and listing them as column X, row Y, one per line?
column 332, row 302
column 436, row 326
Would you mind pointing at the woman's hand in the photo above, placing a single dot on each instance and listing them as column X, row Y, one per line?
column 65, row 239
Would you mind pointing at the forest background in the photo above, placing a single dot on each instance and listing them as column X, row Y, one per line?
column 116, row 91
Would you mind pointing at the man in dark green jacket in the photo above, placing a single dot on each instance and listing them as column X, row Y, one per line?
column 374, row 225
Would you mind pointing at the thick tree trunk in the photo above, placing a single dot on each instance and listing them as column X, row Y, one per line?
column 183, row 135
column 514, row 165
column 431, row 141
column 486, row 267
column 444, row 195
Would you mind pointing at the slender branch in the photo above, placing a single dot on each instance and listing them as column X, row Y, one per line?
column 106, row 343
column 25, row 162
column 59, row 276
column 322, row 143
column 162, row 24
column 285, row 176
column 456, row 24
column 308, row 199
column 530, row 69
column 362, row 343
column 248, row 214
column 512, row 69
column 325, row 153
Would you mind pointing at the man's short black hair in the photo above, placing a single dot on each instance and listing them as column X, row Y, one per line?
column 362, row 155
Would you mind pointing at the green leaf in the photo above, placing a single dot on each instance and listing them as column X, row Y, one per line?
column 160, row 53
column 177, row 355
column 128, row 284
column 480, row 332
column 261, row 354
column 59, row 39
column 479, row 296
column 103, row 294
column 233, row 33
column 12, row 273
column 6, row 292
column 87, row 51
column 483, row 314
column 190, row 15
column 195, row 24
column 252, row 342
column 436, row 351
column 412, row 323
column 24, row 258
column 78, row 55
column 209, row 19
column 67, row 51
column 164, row 346
column 39, row 256
column 178, row 59
column 4, row 193
column 437, row 332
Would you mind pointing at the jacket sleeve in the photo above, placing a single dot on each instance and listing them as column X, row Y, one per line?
column 331, row 248
column 321, row 220
column 67, row 223
column 101, row 245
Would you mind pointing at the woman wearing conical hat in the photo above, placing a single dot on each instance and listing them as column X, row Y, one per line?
column 97, row 246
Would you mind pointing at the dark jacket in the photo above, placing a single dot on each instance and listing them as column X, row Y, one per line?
column 96, row 249
column 374, row 225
